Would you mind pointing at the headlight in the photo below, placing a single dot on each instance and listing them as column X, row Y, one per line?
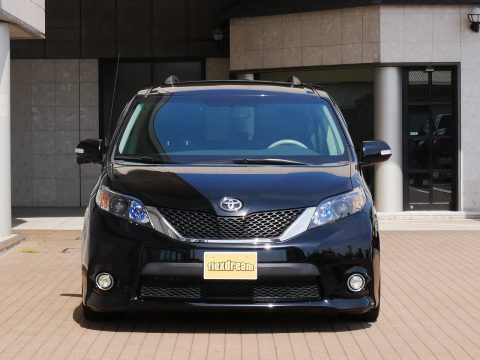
column 338, row 207
column 122, row 206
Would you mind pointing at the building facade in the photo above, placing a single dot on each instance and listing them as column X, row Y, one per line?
column 401, row 72
column 422, row 62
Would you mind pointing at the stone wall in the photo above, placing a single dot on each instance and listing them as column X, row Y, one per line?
column 345, row 36
column 424, row 33
column 217, row 69
column 54, row 105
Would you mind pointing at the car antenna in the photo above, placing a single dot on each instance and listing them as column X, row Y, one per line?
column 171, row 80
column 107, row 137
column 295, row 81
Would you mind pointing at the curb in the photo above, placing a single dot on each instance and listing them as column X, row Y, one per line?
column 7, row 242
column 429, row 215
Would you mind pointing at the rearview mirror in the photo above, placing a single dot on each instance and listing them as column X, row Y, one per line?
column 374, row 152
column 89, row 151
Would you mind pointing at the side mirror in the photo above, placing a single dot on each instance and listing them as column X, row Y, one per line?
column 89, row 151
column 374, row 152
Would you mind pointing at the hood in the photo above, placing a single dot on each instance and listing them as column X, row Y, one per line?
column 201, row 188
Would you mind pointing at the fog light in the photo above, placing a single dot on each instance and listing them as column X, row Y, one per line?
column 356, row 282
column 104, row 281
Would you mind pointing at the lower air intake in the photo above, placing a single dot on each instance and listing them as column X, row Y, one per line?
column 231, row 291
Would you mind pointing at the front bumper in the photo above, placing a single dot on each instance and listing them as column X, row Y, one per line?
column 331, row 306
column 324, row 255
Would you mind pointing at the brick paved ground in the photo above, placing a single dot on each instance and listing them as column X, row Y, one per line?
column 429, row 310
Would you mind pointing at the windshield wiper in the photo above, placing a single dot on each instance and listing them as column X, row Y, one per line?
column 267, row 162
column 143, row 159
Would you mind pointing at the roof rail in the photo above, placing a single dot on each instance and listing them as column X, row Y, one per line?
column 228, row 82
column 171, row 80
column 313, row 87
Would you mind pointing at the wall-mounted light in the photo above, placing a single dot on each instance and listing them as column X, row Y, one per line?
column 218, row 34
column 474, row 22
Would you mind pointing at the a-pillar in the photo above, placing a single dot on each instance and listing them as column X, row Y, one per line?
column 5, row 167
column 388, row 127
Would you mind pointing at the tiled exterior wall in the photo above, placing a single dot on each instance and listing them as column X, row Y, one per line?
column 217, row 69
column 376, row 34
column 89, row 29
column 346, row 36
column 424, row 33
column 54, row 105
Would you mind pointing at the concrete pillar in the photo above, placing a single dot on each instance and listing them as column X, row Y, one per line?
column 5, row 167
column 388, row 127
column 245, row 77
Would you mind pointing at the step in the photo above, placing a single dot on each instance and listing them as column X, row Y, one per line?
column 428, row 215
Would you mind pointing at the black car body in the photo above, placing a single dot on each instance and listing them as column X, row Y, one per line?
column 259, row 178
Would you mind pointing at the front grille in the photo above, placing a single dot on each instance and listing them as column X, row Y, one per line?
column 200, row 225
column 246, row 291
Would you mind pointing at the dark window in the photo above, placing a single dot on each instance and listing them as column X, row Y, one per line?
column 430, row 118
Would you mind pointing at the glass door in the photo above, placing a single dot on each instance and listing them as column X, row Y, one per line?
column 430, row 128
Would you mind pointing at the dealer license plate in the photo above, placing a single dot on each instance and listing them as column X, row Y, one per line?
column 230, row 265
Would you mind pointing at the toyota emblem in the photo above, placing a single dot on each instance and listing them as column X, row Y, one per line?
column 231, row 204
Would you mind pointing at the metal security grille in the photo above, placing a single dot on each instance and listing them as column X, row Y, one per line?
column 419, row 77
column 199, row 225
column 271, row 291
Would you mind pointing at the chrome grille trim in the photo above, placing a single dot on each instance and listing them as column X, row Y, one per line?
column 267, row 224
column 299, row 225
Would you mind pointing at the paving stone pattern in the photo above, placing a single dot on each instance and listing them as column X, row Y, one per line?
column 430, row 301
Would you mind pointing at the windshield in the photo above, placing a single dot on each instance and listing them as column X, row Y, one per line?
column 208, row 126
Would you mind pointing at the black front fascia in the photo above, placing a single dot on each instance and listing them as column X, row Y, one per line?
column 125, row 249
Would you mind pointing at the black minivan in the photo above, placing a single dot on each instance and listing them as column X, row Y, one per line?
column 231, row 195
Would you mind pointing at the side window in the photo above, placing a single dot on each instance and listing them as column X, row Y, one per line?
column 331, row 143
column 329, row 133
column 127, row 139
